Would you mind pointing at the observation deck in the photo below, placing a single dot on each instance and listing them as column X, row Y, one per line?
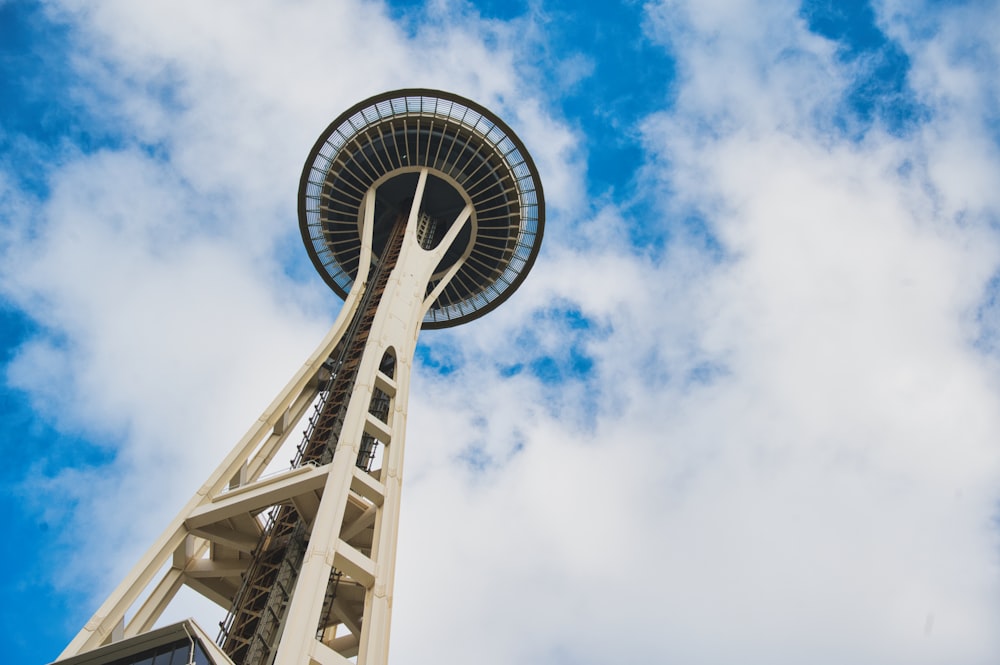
column 473, row 159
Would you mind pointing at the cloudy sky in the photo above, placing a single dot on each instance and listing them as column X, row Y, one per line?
column 745, row 408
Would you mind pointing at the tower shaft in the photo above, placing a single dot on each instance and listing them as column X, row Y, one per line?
column 255, row 622
column 312, row 582
column 422, row 210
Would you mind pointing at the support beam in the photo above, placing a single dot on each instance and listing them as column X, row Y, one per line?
column 368, row 487
column 345, row 645
column 355, row 564
column 320, row 654
column 200, row 568
column 365, row 521
column 227, row 536
column 250, row 499
column 345, row 618
column 155, row 604
column 377, row 429
column 223, row 597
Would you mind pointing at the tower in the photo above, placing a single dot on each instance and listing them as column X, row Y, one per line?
column 422, row 210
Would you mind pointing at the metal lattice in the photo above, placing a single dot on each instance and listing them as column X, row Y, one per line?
column 252, row 630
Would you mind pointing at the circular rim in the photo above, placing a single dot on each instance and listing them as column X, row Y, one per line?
column 492, row 135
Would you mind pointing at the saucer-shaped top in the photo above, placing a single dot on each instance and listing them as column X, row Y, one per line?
column 472, row 158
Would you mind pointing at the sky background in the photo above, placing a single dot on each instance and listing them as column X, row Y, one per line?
column 745, row 408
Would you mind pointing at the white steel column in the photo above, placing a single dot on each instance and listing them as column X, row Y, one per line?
column 259, row 444
column 395, row 328
column 305, row 559
column 252, row 453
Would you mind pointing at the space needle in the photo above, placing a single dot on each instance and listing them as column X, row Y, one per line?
column 421, row 209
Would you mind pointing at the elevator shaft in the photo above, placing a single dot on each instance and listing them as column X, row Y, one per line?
column 252, row 630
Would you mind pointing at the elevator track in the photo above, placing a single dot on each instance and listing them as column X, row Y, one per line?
column 252, row 630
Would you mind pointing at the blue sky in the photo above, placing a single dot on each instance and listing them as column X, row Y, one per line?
column 744, row 407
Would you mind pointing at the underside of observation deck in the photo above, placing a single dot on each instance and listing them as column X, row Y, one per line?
column 472, row 157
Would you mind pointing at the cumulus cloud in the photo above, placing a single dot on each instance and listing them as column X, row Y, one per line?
column 794, row 454
column 165, row 269
column 770, row 437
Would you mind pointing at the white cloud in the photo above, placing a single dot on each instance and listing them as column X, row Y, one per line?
column 155, row 267
column 830, row 495
column 785, row 452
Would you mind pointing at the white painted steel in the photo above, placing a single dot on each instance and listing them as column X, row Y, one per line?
column 206, row 547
